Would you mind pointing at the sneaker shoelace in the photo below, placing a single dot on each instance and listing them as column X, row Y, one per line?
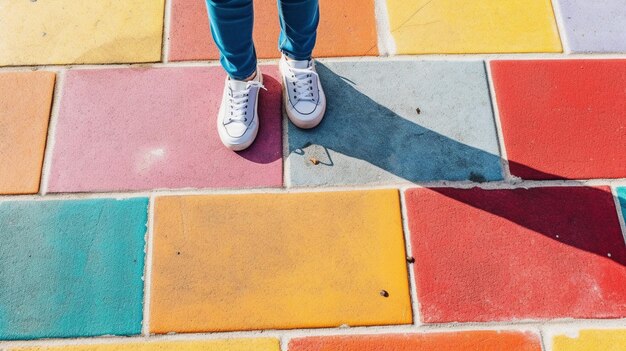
column 238, row 101
column 302, row 80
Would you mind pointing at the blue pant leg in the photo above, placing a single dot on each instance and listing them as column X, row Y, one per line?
column 231, row 27
column 298, row 24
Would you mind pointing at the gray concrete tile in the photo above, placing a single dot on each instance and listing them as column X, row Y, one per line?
column 373, row 134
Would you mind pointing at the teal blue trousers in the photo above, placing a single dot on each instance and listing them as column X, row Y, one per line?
column 231, row 27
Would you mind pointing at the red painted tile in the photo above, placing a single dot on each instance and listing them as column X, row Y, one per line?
column 347, row 28
column 563, row 118
column 459, row 341
column 501, row 255
column 134, row 129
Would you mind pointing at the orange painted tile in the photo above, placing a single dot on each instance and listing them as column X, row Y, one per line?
column 25, row 100
column 459, row 341
column 190, row 34
column 347, row 28
column 278, row 261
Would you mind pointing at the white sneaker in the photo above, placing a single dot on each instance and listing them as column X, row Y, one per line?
column 238, row 120
column 303, row 95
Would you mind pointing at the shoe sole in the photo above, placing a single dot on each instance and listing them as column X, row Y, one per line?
column 247, row 144
column 241, row 147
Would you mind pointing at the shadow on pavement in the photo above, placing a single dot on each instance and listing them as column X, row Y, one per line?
column 359, row 127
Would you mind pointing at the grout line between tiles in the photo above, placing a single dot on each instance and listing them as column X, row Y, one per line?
column 283, row 343
column 51, row 136
column 499, row 185
column 560, row 26
column 504, row 159
column 165, row 43
column 391, row 58
column 285, row 140
column 410, row 266
column 542, row 340
column 145, row 329
column 386, row 42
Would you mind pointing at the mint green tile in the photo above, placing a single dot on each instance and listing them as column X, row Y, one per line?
column 71, row 268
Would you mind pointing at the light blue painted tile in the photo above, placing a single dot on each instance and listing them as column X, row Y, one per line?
column 373, row 133
column 71, row 268
column 594, row 26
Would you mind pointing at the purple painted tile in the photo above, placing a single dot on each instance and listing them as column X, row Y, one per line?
column 138, row 129
column 594, row 26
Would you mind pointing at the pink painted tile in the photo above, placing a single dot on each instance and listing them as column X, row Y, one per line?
column 138, row 129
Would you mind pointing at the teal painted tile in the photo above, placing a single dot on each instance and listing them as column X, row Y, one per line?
column 71, row 268
column 396, row 121
column 621, row 195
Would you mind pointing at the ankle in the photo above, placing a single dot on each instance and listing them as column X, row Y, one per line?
column 291, row 59
column 252, row 77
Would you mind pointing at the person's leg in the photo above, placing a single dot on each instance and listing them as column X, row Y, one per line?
column 298, row 24
column 303, row 96
column 231, row 27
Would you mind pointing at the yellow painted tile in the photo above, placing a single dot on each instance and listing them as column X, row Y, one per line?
column 209, row 345
column 72, row 31
column 473, row 26
column 264, row 261
column 592, row 340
